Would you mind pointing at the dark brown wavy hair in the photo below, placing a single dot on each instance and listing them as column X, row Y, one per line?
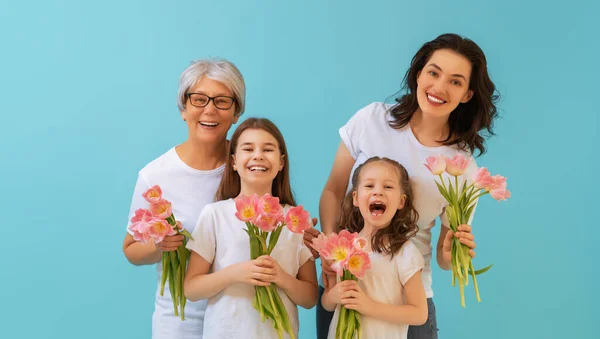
column 230, row 185
column 468, row 120
column 403, row 226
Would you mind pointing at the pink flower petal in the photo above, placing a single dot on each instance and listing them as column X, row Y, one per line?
column 153, row 194
column 161, row 209
column 436, row 165
column 457, row 165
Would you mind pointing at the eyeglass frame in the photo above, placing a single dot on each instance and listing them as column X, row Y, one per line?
column 233, row 100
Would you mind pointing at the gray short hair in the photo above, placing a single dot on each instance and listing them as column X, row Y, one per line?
column 217, row 69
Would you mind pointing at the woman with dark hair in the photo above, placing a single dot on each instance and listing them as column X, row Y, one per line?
column 447, row 103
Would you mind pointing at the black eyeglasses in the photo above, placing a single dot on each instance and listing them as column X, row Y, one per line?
column 202, row 100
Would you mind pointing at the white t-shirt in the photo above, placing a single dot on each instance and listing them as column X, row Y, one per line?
column 384, row 283
column 220, row 239
column 188, row 190
column 369, row 134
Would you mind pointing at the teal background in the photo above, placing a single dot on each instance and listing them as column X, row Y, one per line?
column 88, row 97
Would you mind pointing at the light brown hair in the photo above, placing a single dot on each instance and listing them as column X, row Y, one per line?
column 230, row 185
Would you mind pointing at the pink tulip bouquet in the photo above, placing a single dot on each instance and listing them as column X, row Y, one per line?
column 153, row 225
column 265, row 220
column 461, row 202
column 350, row 262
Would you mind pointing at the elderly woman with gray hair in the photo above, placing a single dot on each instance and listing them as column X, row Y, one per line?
column 211, row 99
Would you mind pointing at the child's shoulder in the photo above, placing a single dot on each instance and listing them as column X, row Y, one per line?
column 374, row 114
column 409, row 251
column 409, row 260
column 220, row 206
column 409, row 246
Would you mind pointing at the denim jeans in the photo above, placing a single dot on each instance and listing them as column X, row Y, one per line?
column 426, row 331
column 429, row 329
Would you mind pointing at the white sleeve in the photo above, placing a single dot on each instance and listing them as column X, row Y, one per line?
column 304, row 253
column 409, row 260
column 137, row 201
column 352, row 132
column 205, row 241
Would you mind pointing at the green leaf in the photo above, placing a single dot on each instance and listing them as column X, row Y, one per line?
column 251, row 228
column 457, row 261
column 172, row 282
column 165, row 273
column 451, row 219
column 171, row 220
column 358, row 325
column 285, row 319
column 174, row 260
column 186, row 233
column 483, row 270
column 262, row 241
column 453, row 276
column 265, row 301
column 268, row 312
column 276, row 311
column 474, row 191
column 472, row 199
column 182, row 306
column 182, row 295
column 468, row 213
column 254, row 247
column 350, row 326
column 183, row 254
column 459, row 215
column 466, row 259
column 274, row 238
column 462, row 199
column 442, row 191
column 452, row 195
column 341, row 325
column 178, row 283
column 257, row 305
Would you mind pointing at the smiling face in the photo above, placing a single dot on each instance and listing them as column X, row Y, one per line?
column 257, row 158
column 443, row 83
column 378, row 194
column 208, row 124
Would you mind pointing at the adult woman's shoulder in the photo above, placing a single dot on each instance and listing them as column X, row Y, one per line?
column 373, row 109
